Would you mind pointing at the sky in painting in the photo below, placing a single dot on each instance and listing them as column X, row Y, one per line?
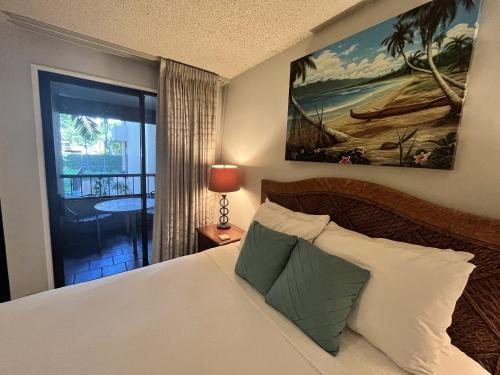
column 363, row 56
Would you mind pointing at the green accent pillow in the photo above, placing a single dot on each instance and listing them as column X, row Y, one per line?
column 316, row 292
column 263, row 256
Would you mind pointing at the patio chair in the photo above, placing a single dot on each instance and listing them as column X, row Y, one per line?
column 72, row 216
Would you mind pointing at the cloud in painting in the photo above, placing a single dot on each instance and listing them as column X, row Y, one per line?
column 355, row 60
column 331, row 65
column 350, row 50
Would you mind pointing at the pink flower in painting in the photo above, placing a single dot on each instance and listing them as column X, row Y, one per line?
column 421, row 158
column 345, row 160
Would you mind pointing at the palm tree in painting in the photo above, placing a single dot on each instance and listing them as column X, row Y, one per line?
column 415, row 60
column 403, row 35
column 429, row 19
column 298, row 70
column 400, row 37
column 461, row 48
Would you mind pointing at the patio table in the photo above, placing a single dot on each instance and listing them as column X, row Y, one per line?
column 129, row 206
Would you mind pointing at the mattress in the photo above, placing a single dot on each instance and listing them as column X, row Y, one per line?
column 191, row 315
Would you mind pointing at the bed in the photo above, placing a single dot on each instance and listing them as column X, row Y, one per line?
column 193, row 315
column 379, row 211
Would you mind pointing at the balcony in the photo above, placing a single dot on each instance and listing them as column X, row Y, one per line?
column 98, row 244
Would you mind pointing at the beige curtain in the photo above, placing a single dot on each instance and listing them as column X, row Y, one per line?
column 186, row 130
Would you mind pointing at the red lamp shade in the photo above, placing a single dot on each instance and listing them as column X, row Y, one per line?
column 224, row 178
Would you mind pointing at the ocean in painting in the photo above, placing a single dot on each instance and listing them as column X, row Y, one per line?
column 390, row 95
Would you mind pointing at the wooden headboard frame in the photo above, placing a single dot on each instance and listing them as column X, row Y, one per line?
column 379, row 211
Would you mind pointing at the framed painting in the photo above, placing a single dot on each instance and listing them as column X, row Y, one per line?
column 389, row 95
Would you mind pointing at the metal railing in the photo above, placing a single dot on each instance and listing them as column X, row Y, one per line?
column 105, row 185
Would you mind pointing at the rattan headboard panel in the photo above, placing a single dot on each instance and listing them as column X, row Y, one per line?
column 379, row 211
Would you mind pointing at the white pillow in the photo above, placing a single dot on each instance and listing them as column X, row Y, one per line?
column 283, row 220
column 451, row 254
column 407, row 304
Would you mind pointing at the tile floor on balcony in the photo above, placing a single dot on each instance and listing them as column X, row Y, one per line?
column 84, row 263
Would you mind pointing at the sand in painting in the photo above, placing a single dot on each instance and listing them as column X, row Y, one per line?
column 371, row 134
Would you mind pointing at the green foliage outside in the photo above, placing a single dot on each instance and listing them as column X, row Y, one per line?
column 86, row 132
column 90, row 164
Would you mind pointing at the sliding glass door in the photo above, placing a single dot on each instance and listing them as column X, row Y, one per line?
column 99, row 146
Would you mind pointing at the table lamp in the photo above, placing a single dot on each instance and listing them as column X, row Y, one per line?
column 224, row 179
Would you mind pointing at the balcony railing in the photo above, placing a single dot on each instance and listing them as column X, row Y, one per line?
column 105, row 185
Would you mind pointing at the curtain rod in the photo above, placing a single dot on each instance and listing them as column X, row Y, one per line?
column 222, row 79
column 88, row 41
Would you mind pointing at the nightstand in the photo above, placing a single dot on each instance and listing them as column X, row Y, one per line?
column 207, row 236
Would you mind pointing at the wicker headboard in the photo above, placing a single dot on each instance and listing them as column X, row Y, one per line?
column 379, row 211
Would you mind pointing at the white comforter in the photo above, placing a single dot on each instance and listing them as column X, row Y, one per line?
column 192, row 315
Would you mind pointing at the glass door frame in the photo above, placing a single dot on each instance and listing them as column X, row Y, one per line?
column 45, row 79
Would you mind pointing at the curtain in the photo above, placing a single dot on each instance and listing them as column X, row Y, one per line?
column 187, row 117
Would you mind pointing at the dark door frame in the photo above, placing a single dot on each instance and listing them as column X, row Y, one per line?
column 4, row 275
column 54, row 202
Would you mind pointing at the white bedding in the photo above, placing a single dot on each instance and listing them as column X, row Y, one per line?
column 192, row 315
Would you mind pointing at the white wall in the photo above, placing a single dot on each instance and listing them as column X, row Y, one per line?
column 19, row 172
column 256, row 115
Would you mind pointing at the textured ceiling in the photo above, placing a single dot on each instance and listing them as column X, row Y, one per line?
column 223, row 36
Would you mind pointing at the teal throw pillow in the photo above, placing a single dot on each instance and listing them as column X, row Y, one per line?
column 316, row 292
column 263, row 256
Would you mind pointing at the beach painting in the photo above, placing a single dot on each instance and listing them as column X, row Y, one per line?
column 390, row 95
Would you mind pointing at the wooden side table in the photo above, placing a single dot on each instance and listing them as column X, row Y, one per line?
column 207, row 236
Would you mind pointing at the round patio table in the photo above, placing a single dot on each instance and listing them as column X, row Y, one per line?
column 129, row 206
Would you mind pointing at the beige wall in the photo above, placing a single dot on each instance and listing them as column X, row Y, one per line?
column 20, row 192
column 256, row 114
